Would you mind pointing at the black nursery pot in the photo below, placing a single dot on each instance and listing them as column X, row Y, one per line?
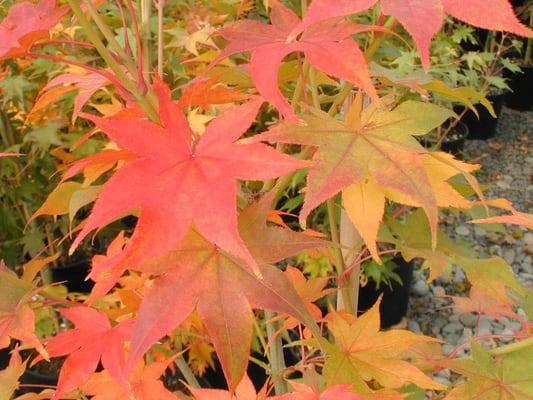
column 521, row 95
column 40, row 380
column 395, row 299
column 4, row 358
column 73, row 276
column 485, row 127
column 455, row 142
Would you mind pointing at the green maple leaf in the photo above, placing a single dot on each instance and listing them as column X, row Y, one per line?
column 507, row 378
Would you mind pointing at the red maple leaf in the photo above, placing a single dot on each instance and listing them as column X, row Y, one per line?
column 223, row 290
column 207, row 92
column 177, row 182
column 327, row 46
column 93, row 339
column 424, row 18
column 305, row 392
column 144, row 384
column 26, row 23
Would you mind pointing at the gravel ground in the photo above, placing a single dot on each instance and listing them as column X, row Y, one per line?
column 507, row 164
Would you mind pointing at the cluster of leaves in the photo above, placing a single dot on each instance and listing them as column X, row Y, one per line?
column 213, row 201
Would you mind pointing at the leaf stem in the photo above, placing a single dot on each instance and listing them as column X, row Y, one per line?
column 146, row 13
column 186, row 372
column 111, row 62
column 277, row 360
column 347, row 298
column 110, row 37
column 160, row 59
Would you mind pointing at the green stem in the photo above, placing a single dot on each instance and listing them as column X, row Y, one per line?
column 110, row 61
column 146, row 13
column 160, row 6
column 186, row 372
column 110, row 37
column 347, row 300
column 277, row 360
column 332, row 217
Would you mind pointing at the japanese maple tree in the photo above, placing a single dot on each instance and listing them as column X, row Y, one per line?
column 245, row 141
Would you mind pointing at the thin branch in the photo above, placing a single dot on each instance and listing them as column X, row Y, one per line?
column 160, row 59
column 111, row 62
column 127, row 45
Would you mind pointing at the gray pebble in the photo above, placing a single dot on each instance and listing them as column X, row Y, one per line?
column 485, row 325
column 497, row 327
column 447, row 348
column 453, row 318
column 420, row 288
column 453, row 338
column 509, row 255
column 442, row 380
column 414, row 326
column 479, row 232
column 513, row 325
column 462, row 230
column 469, row 320
column 438, row 291
column 495, row 250
column 507, row 331
column 459, row 275
column 528, row 238
column 452, row 327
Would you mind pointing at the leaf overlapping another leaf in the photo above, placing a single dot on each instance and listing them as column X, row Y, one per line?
column 369, row 160
column 199, row 275
column 327, row 46
column 26, row 23
column 93, row 339
column 424, row 18
column 177, row 182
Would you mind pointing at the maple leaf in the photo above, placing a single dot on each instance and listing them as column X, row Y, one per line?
column 46, row 395
column 17, row 319
column 208, row 92
column 245, row 390
column 479, row 302
column 177, row 183
column 26, row 23
column 309, row 290
column 305, row 392
column 87, row 84
column 361, row 353
column 93, row 339
column 9, row 377
column 143, row 384
column 270, row 244
column 423, row 18
column 199, row 275
column 516, row 218
column 107, row 278
column 492, row 276
column 328, row 47
column 505, row 378
column 378, row 153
